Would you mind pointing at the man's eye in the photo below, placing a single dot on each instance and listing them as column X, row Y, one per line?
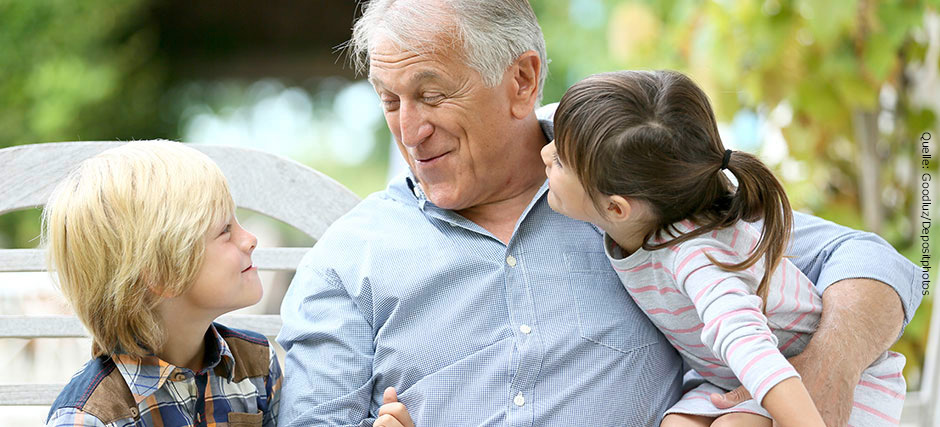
column 390, row 104
column 432, row 97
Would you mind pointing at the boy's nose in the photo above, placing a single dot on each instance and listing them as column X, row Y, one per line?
column 249, row 242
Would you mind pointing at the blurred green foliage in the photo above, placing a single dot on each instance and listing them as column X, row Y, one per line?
column 86, row 70
column 838, row 68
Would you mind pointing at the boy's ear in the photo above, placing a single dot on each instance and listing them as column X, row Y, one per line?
column 618, row 209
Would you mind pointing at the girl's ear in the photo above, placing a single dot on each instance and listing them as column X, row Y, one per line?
column 619, row 209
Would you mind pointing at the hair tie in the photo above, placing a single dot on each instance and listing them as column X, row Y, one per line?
column 726, row 159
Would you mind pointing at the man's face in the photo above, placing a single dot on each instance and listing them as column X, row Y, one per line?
column 452, row 130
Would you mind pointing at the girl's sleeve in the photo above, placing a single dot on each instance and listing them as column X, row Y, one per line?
column 733, row 325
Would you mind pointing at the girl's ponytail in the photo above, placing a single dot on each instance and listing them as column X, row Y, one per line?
column 759, row 195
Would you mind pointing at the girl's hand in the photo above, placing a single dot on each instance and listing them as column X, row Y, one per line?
column 392, row 413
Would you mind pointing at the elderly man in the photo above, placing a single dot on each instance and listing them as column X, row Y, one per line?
column 459, row 286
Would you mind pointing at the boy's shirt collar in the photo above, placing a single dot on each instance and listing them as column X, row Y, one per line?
column 145, row 375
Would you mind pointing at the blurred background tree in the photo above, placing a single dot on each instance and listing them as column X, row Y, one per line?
column 833, row 95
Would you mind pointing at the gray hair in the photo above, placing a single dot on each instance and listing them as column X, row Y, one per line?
column 491, row 34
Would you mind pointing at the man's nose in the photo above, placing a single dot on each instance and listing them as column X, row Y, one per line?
column 414, row 124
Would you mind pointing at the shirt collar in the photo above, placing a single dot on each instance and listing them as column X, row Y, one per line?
column 145, row 375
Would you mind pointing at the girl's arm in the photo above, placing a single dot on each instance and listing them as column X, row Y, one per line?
column 790, row 405
column 736, row 330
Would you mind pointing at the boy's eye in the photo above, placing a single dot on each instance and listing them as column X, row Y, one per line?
column 227, row 229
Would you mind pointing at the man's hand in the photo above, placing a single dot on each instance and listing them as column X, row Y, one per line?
column 392, row 413
column 861, row 318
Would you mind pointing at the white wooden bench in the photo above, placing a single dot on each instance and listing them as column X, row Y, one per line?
column 265, row 183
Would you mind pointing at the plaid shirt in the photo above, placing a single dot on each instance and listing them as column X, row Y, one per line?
column 170, row 396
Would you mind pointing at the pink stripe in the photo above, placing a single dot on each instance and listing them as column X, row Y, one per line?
column 790, row 341
column 673, row 312
column 684, row 331
column 651, row 288
column 734, row 238
column 705, row 289
column 654, row 266
column 882, row 389
column 796, row 322
column 876, row 413
column 715, row 234
column 699, row 252
column 756, row 359
column 797, row 288
column 760, row 388
column 895, row 375
column 712, row 374
column 783, row 285
column 741, row 342
column 729, row 314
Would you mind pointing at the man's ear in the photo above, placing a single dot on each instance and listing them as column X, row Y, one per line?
column 618, row 209
column 524, row 89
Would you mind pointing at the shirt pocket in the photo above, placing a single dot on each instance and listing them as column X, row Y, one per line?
column 244, row 419
column 606, row 314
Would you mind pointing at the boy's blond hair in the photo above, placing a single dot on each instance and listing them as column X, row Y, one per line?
column 128, row 228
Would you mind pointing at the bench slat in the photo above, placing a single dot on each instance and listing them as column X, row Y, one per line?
column 27, row 327
column 29, row 394
column 272, row 259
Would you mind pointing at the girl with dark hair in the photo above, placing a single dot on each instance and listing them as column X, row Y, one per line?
column 638, row 154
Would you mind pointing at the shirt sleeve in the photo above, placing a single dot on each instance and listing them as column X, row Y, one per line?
column 329, row 352
column 272, row 386
column 73, row 417
column 734, row 327
column 827, row 253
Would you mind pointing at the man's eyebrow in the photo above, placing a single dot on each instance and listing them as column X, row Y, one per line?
column 425, row 75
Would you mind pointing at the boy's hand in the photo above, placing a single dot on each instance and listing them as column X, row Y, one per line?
column 392, row 413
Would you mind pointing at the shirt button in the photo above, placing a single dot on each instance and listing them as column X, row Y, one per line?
column 519, row 400
column 134, row 411
column 178, row 376
column 511, row 261
column 525, row 329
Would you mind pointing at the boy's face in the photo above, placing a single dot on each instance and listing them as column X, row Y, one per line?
column 566, row 195
column 227, row 279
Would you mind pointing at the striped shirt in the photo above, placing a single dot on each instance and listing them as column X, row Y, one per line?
column 239, row 386
column 713, row 317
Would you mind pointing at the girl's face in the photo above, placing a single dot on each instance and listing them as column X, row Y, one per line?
column 566, row 195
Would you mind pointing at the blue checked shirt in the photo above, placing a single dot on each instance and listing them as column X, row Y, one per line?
column 168, row 396
column 472, row 331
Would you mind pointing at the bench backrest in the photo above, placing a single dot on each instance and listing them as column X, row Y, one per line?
column 262, row 182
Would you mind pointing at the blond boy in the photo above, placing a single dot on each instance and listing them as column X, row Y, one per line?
column 147, row 250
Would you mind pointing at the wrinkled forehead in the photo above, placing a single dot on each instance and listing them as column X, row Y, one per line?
column 394, row 65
